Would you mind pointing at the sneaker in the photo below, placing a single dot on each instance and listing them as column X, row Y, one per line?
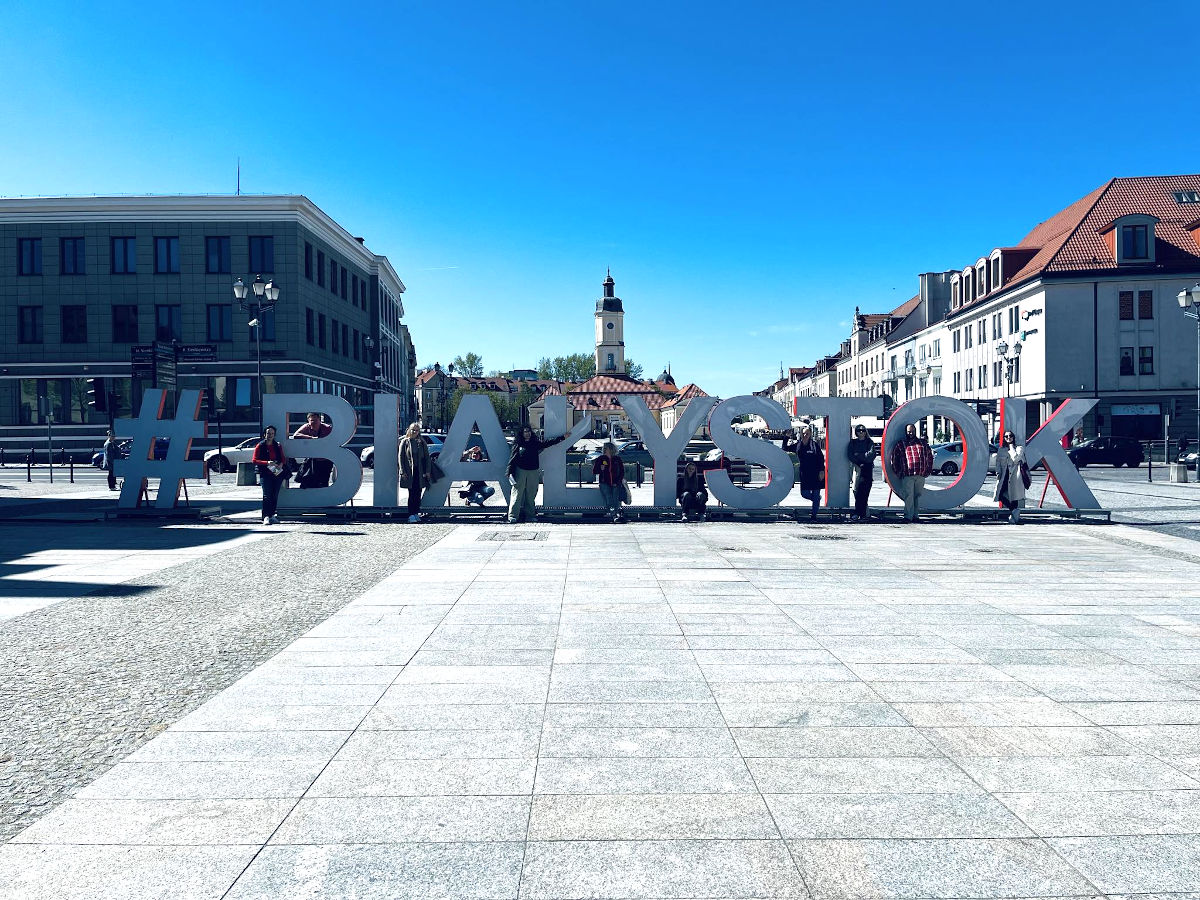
column 274, row 520
column 413, row 520
column 266, row 520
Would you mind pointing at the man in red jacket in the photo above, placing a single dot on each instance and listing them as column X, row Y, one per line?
column 912, row 460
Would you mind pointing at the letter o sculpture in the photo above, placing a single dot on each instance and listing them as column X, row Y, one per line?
column 975, row 448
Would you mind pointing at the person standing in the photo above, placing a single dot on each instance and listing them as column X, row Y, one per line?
column 269, row 458
column 112, row 453
column 609, row 471
column 416, row 469
column 862, row 454
column 811, row 463
column 315, row 472
column 525, row 474
column 912, row 460
column 691, row 491
column 1011, row 474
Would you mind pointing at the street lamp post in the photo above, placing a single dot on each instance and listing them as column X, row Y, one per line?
column 1010, row 356
column 1189, row 302
column 262, row 297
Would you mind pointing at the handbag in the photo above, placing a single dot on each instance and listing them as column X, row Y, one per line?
column 1025, row 478
column 1002, row 493
column 626, row 496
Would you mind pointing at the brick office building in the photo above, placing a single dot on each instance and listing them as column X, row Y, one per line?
column 86, row 280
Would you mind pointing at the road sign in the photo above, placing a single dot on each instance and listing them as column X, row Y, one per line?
column 197, row 352
column 141, row 358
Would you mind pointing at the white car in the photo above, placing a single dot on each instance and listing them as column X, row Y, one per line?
column 947, row 458
column 435, row 447
column 227, row 458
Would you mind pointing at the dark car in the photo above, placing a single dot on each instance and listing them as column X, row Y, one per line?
column 1108, row 451
column 160, row 451
column 630, row 452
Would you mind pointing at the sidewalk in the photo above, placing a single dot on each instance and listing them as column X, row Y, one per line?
column 711, row 711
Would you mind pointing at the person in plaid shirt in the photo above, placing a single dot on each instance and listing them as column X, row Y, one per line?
column 912, row 460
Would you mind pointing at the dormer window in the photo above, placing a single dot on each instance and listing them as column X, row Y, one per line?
column 1131, row 239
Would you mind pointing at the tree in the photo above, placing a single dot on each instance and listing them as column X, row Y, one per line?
column 633, row 370
column 470, row 365
column 574, row 367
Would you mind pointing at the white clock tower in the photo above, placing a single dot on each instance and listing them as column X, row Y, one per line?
column 610, row 331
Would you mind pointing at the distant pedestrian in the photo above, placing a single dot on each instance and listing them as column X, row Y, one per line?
column 912, row 461
column 315, row 472
column 1181, row 456
column 609, row 470
column 112, row 452
column 862, row 454
column 1012, row 477
column 811, row 461
column 416, row 469
column 525, row 474
column 269, row 458
column 691, row 490
column 476, row 491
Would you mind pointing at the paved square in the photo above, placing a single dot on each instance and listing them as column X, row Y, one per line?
column 669, row 711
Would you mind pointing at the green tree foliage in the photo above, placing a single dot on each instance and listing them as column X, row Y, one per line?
column 470, row 365
column 509, row 407
column 633, row 370
column 578, row 367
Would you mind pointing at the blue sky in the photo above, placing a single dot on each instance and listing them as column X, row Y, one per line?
column 750, row 174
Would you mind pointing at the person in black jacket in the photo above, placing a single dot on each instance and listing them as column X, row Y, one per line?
column 862, row 454
column 691, row 491
column 812, row 469
column 525, row 474
column 609, row 471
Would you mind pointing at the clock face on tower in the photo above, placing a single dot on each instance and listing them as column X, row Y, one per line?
column 610, row 325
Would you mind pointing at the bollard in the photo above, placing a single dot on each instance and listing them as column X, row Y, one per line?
column 1, row 457
column 71, row 463
column 207, row 474
column 29, row 467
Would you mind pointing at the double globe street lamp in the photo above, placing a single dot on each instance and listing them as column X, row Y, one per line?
column 262, row 296
column 1189, row 302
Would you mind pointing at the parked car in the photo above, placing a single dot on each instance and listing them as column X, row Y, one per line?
column 227, row 458
column 1108, row 451
column 160, row 451
column 629, row 451
column 947, row 458
column 435, row 448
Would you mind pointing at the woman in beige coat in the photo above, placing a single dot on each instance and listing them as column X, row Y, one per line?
column 1010, row 477
column 415, row 468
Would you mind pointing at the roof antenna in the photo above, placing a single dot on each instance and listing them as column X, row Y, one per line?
column 239, row 176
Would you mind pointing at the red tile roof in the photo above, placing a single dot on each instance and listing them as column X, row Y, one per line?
column 686, row 394
column 907, row 306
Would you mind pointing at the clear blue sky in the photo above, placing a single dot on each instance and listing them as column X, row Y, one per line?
column 749, row 174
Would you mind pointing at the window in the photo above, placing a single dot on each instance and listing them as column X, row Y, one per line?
column 970, row 373
column 168, row 323
column 29, row 256
column 124, row 256
column 982, row 377
column 997, row 326
column 70, row 259
column 997, row 372
column 262, row 254
column 996, row 272
column 354, row 289
column 74, row 324
column 1125, row 303
column 937, row 348
column 345, row 339
column 1145, row 304
column 220, row 322
column 982, row 331
column 956, row 340
column 310, row 335
column 308, row 261
column 1014, row 319
column 1145, row 360
column 1127, row 361
column 357, row 341
column 320, row 269
column 333, row 269
column 1187, row 196
column 335, row 335
column 957, row 382
column 125, row 324
column 321, row 331
column 1016, row 369
column 344, row 295
column 166, row 256
column 217, row 256
column 29, row 324
column 1135, row 242
column 268, row 326
column 967, row 338
column 954, row 288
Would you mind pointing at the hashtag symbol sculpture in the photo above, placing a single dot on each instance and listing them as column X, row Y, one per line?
column 145, row 431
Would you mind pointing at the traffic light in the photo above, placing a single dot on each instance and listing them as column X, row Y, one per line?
column 889, row 405
column 97, row 398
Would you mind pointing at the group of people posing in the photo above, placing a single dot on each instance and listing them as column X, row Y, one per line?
column 912, row 461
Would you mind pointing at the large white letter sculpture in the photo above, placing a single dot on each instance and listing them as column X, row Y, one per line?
column 554, row 461
column 331, row 447
column 837, row 412
column 753, row 450
column 475, row 410
column 666, row 450
column 975, row 448
column 1046, row 446
column 144, row 430
column 386, row 488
